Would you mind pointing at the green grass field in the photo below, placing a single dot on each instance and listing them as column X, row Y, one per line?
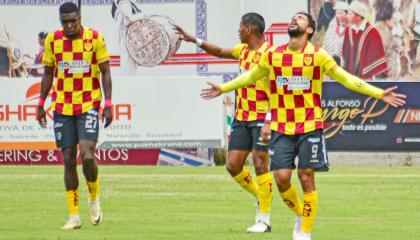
column 356, row 203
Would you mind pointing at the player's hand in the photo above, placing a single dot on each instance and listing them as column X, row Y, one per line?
column 393, row 99
column 41, row 117
column 266, row 132
column 183, row 35
column 107, row 117
column 211, row 92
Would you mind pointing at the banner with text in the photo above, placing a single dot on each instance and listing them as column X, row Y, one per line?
column 149, row 114
column 356, row 122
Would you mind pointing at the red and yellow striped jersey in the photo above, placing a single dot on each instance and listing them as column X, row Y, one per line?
column 251, row 101
column 77, row 75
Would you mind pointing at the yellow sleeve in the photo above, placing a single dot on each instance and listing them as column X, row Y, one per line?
column 346, row 79
column 243, row 80
column 236, row 50
column 48, row 57
column 102, row 54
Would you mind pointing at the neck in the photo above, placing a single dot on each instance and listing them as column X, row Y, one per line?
column 255, row 42
column 297, row 43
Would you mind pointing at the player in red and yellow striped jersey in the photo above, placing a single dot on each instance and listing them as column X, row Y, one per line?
column 295, row 78
column 251, row 110
column 77, row 58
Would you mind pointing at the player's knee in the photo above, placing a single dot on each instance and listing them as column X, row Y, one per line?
column 305, row 177
column 233, row 168
column 261, row 166
column 87, row 154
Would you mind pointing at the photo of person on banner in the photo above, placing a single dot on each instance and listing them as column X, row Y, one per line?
column 363, row 51
column 379, row 41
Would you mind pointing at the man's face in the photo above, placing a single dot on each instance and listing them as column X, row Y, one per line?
column 71, row 24
column 353, row 17
column 298, row 26
column 41, row 41
column 341, row 16
column 243, row 32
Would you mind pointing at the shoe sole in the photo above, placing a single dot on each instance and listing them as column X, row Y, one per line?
column 266, row 230
column 76, row 227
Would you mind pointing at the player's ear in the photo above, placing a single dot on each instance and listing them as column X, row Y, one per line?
column 309, row 30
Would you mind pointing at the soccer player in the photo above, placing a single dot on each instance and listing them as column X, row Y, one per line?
column 76, row 56
column 251, row 110
column 295, row 73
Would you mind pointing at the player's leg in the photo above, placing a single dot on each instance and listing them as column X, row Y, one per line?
column 312, row 157
column 264, row 180
column 240, row 145
column 66, row 140
column 282, row 155
column 88, row 131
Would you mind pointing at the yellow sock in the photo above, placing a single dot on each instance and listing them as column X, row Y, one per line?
column 310, row 204
column 93, row 188
column 246, row 181
column 291, row 199
column 72, row 197
column 265, row 192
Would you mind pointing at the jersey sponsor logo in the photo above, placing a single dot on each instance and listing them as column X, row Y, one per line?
column 294, row 83
column 77, row 66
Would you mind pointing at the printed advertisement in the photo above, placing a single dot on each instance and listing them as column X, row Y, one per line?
column 356, row 122
column 150, row 113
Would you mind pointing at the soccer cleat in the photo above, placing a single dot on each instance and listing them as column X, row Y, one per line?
column 95, row 212
column 259, row 227
column 72, row 223
column 257, row 217
column 297, row 227
column 303, row 236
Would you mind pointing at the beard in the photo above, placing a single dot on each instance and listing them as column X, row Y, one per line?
column 297, row 32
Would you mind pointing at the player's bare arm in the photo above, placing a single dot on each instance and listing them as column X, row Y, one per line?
column 243, row 80
column 47, row 80
column 206, row 46
column 107, row 87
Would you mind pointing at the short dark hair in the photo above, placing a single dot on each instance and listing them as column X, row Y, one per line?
column 42, row 35
column 68, row 7
column 311, row 22
column 255, row 20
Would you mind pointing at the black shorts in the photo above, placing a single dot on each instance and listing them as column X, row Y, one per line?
column 310, row 148
column 246, row 136
column 69, row 130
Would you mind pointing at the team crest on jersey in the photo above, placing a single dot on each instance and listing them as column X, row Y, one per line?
column 87, row 46
column 307, row 60
column 256, row 58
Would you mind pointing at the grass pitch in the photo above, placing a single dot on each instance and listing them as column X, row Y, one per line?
column 355, row 203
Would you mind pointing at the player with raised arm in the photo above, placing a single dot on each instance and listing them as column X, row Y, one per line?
column 76, row 56
column 251, row 111
column 295, row 72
